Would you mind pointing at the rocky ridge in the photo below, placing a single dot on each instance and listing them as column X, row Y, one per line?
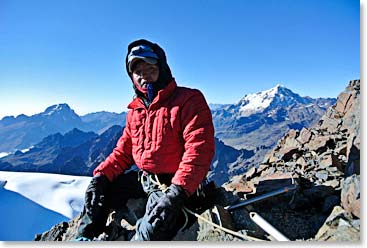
column 322, row 162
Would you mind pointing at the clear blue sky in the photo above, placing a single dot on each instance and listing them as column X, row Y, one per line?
column 73, row 51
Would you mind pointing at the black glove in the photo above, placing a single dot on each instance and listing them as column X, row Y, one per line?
column 95, row 195
column 168, row 207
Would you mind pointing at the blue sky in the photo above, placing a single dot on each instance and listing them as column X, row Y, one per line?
column 73, row 51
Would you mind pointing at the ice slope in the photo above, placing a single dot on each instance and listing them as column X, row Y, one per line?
column 32, row 203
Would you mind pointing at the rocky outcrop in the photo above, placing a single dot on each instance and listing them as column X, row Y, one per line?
column 259, row 120
column 324, row 161
column 318, row 169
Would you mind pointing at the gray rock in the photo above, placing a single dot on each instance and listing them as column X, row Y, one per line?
column 351, row 194
column 304, row 136
column 338, row 227
column 322, row 175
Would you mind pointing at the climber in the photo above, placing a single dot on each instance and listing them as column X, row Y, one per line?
column 169, row 136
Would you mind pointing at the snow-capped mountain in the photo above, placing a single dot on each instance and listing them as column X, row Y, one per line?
column 21, row 132
column 33, row 202
column 257, row 121
column 260, row 119
column 279, row 96
column 274, row 98
column 62, row 110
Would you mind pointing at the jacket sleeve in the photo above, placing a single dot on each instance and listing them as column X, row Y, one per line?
column 121, row 157
column 198, row 135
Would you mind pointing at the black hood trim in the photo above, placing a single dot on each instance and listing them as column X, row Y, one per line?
column 165, row 75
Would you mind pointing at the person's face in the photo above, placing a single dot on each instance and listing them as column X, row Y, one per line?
column 144, row 73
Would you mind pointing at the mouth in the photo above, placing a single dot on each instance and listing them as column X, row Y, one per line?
column 144, row 85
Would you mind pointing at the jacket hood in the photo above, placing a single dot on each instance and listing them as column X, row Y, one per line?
column 165, row 75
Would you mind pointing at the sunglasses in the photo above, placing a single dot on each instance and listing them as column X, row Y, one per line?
column 141, row 49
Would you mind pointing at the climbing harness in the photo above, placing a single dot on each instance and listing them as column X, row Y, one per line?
column 153, row 178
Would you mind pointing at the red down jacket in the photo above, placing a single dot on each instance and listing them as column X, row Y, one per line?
column 174, row 135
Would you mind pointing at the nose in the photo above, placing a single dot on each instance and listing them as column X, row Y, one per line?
column 142, row 74
column 144, row 77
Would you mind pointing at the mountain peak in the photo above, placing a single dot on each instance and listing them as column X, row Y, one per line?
column 278, row 87
column 258, row 102
column 58, row 109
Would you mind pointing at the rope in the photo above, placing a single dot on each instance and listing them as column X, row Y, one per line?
column 164, row 187
column 245, row 237
column 161, row 186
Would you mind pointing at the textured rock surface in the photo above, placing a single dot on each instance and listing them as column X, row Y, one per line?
column 350, row 195
column 339, row 226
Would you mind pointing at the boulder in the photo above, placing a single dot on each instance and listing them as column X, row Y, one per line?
column 351, row 195
column 304, row 136
column 320, row 144
column 339, row 227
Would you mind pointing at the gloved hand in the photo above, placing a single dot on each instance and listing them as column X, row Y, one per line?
column 168, row 206
column 95, row 194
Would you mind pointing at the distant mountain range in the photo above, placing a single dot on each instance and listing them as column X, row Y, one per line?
column 261, row 119
column 75, row 153
column 60, row 141
column 21, row 132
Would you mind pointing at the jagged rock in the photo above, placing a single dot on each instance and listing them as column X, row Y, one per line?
column 251, row 172
column 322, row 175
column 331, row 121
column 353, row 156
column 320, row 144
column 331, row 162
column 290, row 139
column 304, row 136
column 350, row 195
column 339, row 227
column 343, row 103
column 118, row 224
column 240, row 188
column 288, row 153
column 55, row 234
column 302, row 163
column 335, row 183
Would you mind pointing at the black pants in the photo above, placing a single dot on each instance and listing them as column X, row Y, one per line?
column 125, row 187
